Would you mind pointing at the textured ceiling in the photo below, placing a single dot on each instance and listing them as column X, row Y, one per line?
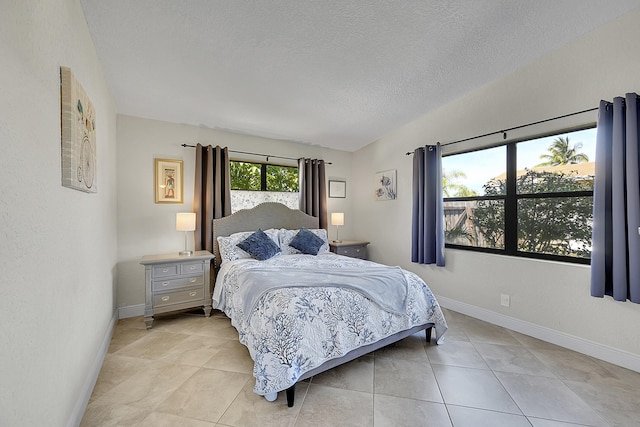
column 335, row 73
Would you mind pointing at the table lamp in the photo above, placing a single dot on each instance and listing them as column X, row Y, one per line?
column 337, row 219
column 186, row 222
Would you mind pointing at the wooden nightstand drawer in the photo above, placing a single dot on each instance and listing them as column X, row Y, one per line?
column 353, row 251
column 182, row 282
column 191, row 268
column 166, row 270
column 350, row 248
column 160, row 300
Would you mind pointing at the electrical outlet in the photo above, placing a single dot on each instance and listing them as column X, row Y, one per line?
column 505, row 300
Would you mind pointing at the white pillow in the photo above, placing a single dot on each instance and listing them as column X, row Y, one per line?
column 229, row 251
column 287, row 236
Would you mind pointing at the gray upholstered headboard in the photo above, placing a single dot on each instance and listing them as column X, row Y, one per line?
column 264, row 216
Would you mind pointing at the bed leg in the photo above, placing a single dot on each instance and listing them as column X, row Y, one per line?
column 428, row 332
column 291, row 394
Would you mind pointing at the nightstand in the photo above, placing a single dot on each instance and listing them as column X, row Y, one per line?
column 350, row 248
column 176, row 282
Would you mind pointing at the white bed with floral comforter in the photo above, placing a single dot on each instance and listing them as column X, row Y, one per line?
column 292, row 330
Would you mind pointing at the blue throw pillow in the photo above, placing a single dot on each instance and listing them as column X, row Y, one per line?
column 259, row 246
column 306, row 242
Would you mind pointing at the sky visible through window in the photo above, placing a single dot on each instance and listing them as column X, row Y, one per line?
column 479, row 167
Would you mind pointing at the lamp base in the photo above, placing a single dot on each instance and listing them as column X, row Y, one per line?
column 185, row 253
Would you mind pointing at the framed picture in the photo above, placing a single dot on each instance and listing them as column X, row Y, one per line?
column 337, row 189
column 385, row 185
column 168, row 182
column 78, row 136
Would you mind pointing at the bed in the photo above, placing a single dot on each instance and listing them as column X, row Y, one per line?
column 301, row 313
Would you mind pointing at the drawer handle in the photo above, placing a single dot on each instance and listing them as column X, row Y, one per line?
column 357, row 250
column 193, row 267
column 165, row 283
column 192, row 294
column 193, row 280
column 164, row 270
column 166, row 298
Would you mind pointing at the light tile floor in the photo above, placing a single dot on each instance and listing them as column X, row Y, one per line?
column 192, row 371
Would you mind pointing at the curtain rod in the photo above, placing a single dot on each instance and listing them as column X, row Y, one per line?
column 504, row 131
column 257, row 154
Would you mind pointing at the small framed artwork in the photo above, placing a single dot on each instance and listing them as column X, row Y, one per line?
column 337, row 189
column 168, row 182
column 385, row 185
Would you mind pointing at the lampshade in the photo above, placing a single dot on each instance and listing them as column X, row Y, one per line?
column 186, row 221
column 337, row 218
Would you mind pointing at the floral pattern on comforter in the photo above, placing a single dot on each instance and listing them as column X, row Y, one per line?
column 294, row 330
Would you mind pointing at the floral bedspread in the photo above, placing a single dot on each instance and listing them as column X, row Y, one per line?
column 294, row 330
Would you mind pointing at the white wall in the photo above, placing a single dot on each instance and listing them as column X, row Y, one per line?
column 553, row 296
column 58, row 245
column 148, row 228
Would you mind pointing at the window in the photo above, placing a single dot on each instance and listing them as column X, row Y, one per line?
column 263, row 177
column 255, row 183
column 530, row 198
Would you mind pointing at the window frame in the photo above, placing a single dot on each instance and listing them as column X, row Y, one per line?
column 263, row 175
column 511, row 198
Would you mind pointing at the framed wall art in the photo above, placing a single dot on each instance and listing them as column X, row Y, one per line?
column 78, row 135
column 168, row 182
column 385, row 185
column 337, row 189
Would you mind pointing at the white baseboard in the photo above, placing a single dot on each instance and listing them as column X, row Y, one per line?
column 608, row 354
column 130, row 311
column 90, row 382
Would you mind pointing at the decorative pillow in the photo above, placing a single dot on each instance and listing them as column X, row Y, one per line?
column 229, row 251
column 306, row 242
column 259, row 246
column 286, row 236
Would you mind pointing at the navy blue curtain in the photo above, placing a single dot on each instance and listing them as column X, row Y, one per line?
column 615, row 255
column 427, row 230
